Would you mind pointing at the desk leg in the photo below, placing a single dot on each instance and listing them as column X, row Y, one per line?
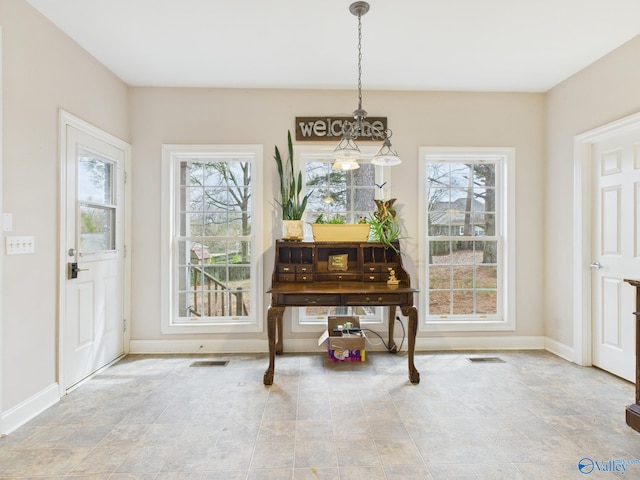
column 274, row 316
column 279, row 343
column 412, row 313
column 392, row 322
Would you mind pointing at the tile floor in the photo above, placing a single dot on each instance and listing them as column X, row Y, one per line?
column 535, row 416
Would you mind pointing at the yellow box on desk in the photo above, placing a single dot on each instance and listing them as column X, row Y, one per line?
column 343, row 348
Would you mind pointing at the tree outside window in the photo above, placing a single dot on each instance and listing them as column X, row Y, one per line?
column 211, row 274
column 348, row 194
column 463, row 243
column 215, row 252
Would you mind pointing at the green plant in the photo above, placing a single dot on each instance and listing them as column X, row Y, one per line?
column 384, row 224
column 292, row 203
column 385, row 231
column 337, row 219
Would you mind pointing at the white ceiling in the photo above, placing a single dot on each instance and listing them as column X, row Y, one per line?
column 466, row 45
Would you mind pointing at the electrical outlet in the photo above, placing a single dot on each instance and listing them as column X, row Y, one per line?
column 20, row 245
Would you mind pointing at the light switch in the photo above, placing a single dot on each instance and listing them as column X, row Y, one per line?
column 20, row 245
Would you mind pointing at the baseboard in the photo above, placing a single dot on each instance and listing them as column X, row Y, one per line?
column 311, row 345
column 480, row 343
column 559, row 349
column 28, row 409
column 197, row 346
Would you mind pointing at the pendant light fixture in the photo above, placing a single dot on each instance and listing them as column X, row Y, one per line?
column 347, row 154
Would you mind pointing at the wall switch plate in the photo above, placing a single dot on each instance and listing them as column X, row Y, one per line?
column 7, row 222
column 20, row 245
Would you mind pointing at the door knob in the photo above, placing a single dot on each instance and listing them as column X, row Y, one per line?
column 596, row 265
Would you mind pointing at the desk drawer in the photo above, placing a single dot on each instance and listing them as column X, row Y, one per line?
column 304, row 269
column 379, row 267
column 286, row 277
column 373, row 277
column 288, row 268
column 338, row 276
column 302, row 277
column 373, row 299
column 310, row 299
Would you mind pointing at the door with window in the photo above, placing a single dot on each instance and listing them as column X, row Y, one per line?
column 92, row 324
column 615, row 251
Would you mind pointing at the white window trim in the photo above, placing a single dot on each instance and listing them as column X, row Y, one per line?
column 315, row 153
column 171, row 154
column 507, row 209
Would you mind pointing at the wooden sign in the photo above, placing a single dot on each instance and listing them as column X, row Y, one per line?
column 330, row 128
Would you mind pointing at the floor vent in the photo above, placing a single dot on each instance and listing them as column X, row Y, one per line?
column 209, row 363
column 485, row 360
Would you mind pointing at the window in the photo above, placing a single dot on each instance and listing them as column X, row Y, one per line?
column 469, row 249
column 96, row 201
column 210, row 278
column 348, row 195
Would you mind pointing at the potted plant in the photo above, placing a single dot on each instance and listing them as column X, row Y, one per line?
column 384, row 224
column 292, row 202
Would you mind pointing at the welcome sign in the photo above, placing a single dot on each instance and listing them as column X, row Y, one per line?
column 330, row 128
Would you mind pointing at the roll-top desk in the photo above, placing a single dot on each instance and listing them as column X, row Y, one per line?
column 339, row 274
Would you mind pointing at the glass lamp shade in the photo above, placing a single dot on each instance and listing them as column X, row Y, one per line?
column 386, row 156
column 327, row 198
column 386, row 160
column 346, row 154
column 346, row 149
column 345, row 164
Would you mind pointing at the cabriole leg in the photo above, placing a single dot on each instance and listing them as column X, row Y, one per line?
column 392, row 322
column 412, row 313
column 274, row 315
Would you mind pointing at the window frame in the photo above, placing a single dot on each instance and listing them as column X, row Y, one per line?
column 172, row 156
column 310, row 153
column 505, row 158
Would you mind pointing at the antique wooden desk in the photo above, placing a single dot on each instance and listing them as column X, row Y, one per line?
column 338, row 274
column 633, row 411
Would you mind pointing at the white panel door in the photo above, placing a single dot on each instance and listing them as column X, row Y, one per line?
column 616, row 176
column 93, row 323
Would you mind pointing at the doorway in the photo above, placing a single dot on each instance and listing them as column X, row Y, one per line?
column 606, row 232
column 93, row 261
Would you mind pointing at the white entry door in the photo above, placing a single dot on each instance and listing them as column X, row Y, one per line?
column 92, row 326
column 616, row 251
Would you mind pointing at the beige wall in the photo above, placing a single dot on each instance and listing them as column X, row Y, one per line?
column 43, row 70
column 163, row 115
column 607, row 90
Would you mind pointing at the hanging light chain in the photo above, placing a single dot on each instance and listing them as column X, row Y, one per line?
column 347, row 154
column 359, row 61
